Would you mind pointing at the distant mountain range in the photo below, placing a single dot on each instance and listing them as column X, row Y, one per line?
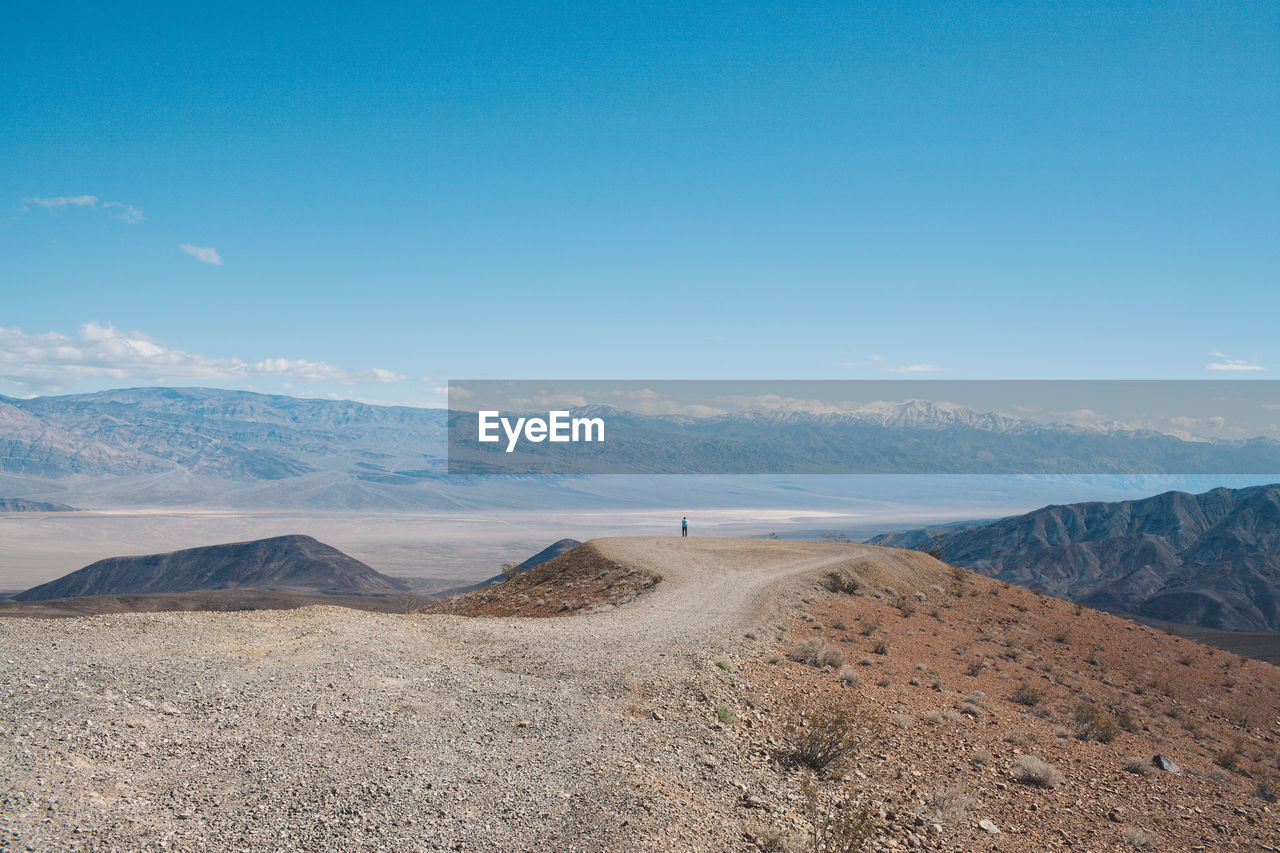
column 1211, row 559
column 24, row 505
column 912, row 437
column 199, row 446
column 297, row 564
column 237, row 435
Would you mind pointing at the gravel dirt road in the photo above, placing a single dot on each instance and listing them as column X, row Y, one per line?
column 332, row 729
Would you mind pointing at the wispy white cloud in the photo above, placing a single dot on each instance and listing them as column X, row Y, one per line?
column 203, row 254
column 1232, row 364
column 52, row 361
column 870, row 360
column 61, row 201
column 126, row 212
column 916, row 368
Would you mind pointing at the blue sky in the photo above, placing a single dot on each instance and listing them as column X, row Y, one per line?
column 376, row 197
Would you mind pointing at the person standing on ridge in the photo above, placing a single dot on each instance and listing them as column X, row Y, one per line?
column 684, row 526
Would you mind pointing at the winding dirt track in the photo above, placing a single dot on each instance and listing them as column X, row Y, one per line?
column 332, row 729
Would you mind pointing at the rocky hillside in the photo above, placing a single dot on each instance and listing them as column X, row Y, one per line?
column 1211, row 559
column 295, row 563
column 985, row 716
column 577, row 578
column 555, row 549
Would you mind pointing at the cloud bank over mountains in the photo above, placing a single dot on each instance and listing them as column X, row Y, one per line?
column 51, row 361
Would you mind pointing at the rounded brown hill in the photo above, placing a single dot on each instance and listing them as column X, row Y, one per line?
column 295, row 562
column 580, row 576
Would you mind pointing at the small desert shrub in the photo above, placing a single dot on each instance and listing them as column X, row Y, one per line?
column 725, row 715
column 849, row 677
column 1023, row 739
column 982, row 757
column 1062, row 635
column 823, row 738
column 1268, row 789
column 1227, row 759
column 881, row 647
column 1139, row 839
column 830, row 656
column 839, row 827
column 510, row 570
column 947, row 805
column 1027, row 694
column 770, row 839
column 1136, row 765
column 870, row 626
column 975, row 668
column 1127, row 720
column 905, row 606
column 903, row 721
column 816, row 652
column 933, row 548
column 837, row 581
column 1092, row 724
column 1033, row 770
column 725, row 665
column 942, row 716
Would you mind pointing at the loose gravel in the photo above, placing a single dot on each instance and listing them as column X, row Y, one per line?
column 332, row 729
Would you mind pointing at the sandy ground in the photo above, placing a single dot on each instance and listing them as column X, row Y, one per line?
column 653, row 725
column 329, row 729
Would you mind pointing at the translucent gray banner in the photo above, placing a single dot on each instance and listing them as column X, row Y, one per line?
column 864, row 427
